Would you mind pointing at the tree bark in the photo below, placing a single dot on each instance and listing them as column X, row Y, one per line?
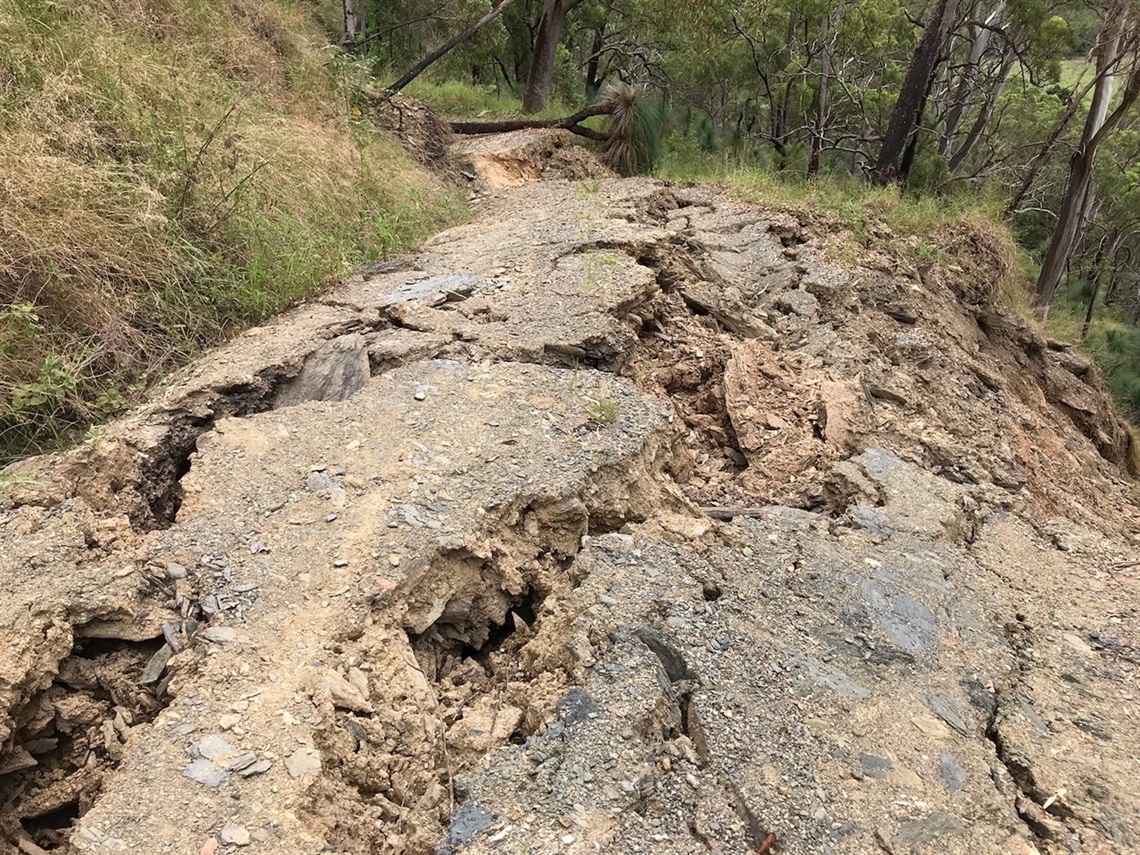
column 448, row 46
column 912, row 94
column 968, row 82
column 1097, row 126
column 569, row 123
column 546, row 39
column 593, row 84
column 820, row 130
column 355, row 21
column 983, row 117
column 1096, row 275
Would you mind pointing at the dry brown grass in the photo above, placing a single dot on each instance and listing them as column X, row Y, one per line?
column 170, row 171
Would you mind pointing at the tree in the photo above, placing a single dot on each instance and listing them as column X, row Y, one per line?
column 415, row 71
column 1117, row 44
column 546, row 39
column 914, row 90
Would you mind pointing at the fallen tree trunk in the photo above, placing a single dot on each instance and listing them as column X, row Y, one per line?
column 569, row 123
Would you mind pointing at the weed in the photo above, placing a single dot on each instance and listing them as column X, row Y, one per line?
column 586, row 189
column 602, row 412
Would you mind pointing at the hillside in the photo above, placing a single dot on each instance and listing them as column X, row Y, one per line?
column 623, row 518
column 174, row 171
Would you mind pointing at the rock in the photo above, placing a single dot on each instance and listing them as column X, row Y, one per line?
column 333, row 372
column 213, row 747
column 359, row 680
column 174, row 570
column 945, row 710
column 220, row 634
column 799, row 302
column 156, row 665
column 875, row 767
column 242, row 761
column 302, row 762
column 228, row 721
column 920, row 831
column 344, row 694
column 257, row 768
column 931, row 726
column 234, row 834
column 205, row 772
column 950, row 771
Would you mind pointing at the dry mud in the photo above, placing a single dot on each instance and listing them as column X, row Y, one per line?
column 618, row 520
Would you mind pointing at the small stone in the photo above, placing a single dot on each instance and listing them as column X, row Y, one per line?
column 258, row 768
column 931, row 726
column 205, row 772
column 304, row 761
column 419, row 396
column 874, row 767
column 156, row 665
column 950, row 771
column 1078, row 644
column 344, row 694
column 242, row 762
column 394, row 560
column 360, row 681
column 234, row 834
column 175, row 570
column 568, row 839
column 213, row 747
column 220, row 634
column 229, row 720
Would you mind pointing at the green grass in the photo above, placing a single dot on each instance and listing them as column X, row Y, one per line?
column 176, row 170
column 459, row 101
column 849, row 198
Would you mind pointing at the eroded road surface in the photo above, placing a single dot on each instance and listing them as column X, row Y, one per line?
column 621, row 519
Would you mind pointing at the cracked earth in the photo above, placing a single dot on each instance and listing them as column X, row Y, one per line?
column 621, row 519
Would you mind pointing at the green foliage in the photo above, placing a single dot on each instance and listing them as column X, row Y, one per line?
column 602, row 412
column 175, row 170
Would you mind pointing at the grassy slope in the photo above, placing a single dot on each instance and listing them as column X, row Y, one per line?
column 174, row 170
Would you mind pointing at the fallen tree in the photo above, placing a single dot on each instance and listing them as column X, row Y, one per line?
column 629, row 141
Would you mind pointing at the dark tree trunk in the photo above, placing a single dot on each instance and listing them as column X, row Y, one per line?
column 1095, row 275
column 593, row 84
column 983, row 117
column 820, row 131
column 546, row 39
column 448, row 46
column 912, row 94
column 911, row 150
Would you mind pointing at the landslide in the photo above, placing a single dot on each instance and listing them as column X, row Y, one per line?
column 623, row 518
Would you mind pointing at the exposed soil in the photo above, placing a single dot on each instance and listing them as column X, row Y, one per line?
column 622, row 518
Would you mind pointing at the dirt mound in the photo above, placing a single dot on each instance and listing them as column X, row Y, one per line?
column 621, row 518
column 514, row 159
column 424, row 134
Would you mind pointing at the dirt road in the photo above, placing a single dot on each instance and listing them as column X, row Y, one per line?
column 621, row 519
